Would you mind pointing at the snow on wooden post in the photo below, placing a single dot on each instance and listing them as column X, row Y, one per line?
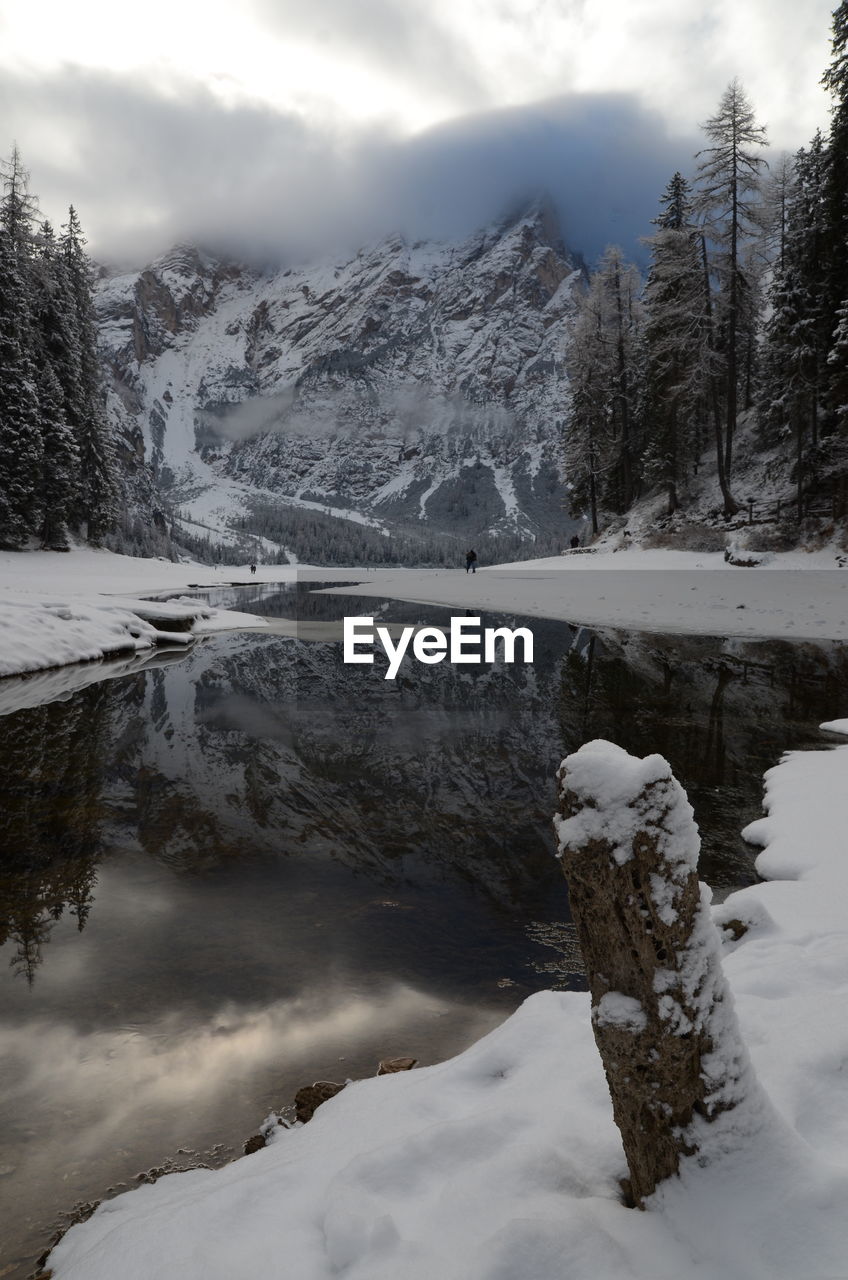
column 661, row 1013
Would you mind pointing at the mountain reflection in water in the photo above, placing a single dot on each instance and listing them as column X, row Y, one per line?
column 225, row 876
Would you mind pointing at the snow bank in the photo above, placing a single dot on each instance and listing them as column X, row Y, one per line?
column 50, row 634
column 58, row 609
column 835, row 726
column 503, row 1164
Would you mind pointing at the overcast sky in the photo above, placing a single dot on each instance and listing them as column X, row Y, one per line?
column 293, row 126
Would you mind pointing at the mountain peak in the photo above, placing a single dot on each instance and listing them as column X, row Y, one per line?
column 416, row 384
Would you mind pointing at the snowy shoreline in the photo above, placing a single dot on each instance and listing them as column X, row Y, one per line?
column 504, row 1162
column 57, row 609
column 81, row 606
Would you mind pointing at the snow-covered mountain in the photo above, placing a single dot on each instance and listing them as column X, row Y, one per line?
column 415, row 385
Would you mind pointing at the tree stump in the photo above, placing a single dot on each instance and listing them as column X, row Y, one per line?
column 661, row 1013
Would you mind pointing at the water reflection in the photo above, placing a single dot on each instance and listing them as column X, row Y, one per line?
column 721, row 711
column 51, row 779
column 256, row 861
column 108, row 1081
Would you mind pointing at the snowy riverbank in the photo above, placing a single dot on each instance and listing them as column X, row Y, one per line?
column 504, row 1162
column 57, row 609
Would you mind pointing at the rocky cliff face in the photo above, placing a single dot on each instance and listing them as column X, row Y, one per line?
column 416, row 385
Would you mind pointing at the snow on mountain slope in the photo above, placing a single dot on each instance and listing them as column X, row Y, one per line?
column 420, row 384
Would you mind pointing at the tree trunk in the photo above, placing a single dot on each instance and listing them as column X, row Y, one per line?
column 624, row 406
column 733, row 316
column 661, row 1011
column 731, row 506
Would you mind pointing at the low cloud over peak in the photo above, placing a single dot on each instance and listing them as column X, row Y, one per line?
column 149, row 166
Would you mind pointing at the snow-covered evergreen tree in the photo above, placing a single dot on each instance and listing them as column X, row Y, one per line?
column 56, row 458
column 94, row 505
column 55, row 313
column 18, row 205
column 602, row 450
column 679, row 359
column 835, row 246
column 586, row 450
column 776, row 194
column 838, row 369
column 835, row 250
column 59, row 463
column 58, row 386
column 798, row 331
column 20, row 433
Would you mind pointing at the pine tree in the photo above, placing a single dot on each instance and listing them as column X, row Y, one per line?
column 835, row 247
column 837, row 460
column 18, row 206
column 678, row 355
column 58, row 387
column 55, row 313
column 20, row 436
column 95, row 504
column 586, row 445
column 622, row 284
column 602, row 450
column 776, row 194
column 798, row 331
column 729, row 203
column 56, row 456
column 59, row 462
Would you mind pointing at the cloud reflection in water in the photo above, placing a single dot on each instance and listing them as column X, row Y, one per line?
column 105, row 1104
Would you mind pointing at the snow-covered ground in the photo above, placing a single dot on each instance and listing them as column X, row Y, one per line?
column 58, row 608
column 503, row 1164
column 795, row 594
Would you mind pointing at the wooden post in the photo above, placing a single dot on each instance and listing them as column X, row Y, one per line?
column 750, row 511
column 661, row 1013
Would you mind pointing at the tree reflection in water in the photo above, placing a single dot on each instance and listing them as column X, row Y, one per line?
column 721, row 711
column 52, row 774
column 260, row 746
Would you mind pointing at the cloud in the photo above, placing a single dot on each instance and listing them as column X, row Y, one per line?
column 147, row 167
column 112, row 1092
column 407, row 406
column 418, row 62
column 407, row 39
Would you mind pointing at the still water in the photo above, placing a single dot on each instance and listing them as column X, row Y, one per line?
column 230, row 873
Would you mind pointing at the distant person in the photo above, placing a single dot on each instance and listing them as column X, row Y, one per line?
column 253, row 568
column 575, row 542
column 471, row 561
